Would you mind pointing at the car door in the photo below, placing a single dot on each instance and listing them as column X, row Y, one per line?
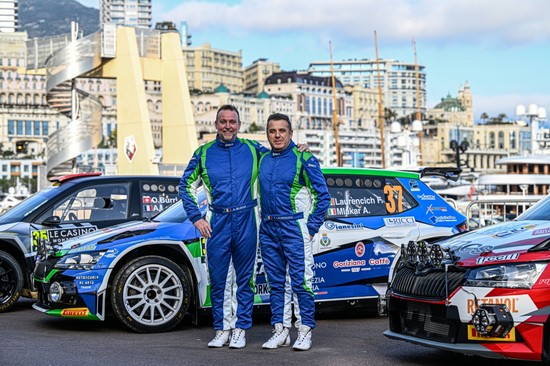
column 367, row 221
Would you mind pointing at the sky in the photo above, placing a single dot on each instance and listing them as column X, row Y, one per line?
column 500, row 47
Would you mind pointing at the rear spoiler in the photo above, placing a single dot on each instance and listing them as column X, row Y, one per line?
column 448, row 173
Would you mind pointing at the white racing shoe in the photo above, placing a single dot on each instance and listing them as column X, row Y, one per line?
column 303, row 343
column 238, row 338
column 221, row 339
column 280, row 337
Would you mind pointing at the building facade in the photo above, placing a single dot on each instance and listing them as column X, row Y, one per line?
column 256, row 73
column 9, row 17
column 398, row 81
column 208, row 68
column 131, row 13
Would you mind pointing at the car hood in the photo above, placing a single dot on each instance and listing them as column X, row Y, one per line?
column 504, row 242
column 131, row 232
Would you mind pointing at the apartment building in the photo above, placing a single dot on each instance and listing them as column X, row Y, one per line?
column 256, row 73
column 9, row 21
column 397, row 80
column 208, row 68
column 131, row 13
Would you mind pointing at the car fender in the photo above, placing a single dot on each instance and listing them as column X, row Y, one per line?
column 198, row 269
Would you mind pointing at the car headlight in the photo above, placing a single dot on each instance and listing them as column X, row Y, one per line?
column 517, row 275
column 79, row 260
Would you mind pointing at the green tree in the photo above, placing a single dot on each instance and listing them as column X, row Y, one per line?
column 483, row 117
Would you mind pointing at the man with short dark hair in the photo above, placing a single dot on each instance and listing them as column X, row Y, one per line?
column 294, row 199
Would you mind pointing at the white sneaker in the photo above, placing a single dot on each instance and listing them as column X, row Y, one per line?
column 280, row 337
column 303, row 343
column 221, row 339
column 238, row 338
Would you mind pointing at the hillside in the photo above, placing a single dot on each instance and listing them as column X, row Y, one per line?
column 43, row 18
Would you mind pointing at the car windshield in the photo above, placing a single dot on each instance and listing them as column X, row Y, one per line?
column 176, row 213
column 28, row 206
column 540, row 211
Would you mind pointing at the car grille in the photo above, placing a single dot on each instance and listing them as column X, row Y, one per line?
column 429, row 321
column 432, row 285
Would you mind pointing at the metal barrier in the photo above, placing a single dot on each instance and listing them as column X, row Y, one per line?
column 486, row 211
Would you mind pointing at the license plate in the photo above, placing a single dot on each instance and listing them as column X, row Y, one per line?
column 475, row 336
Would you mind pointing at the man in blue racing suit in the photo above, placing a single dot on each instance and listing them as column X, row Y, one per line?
column 228, row 169
column 294, row 199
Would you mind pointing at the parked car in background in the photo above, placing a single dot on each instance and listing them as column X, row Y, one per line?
column 485, row 292
column 73, row 205
column 151, row 273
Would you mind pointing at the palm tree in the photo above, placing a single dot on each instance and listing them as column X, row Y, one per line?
column 484, row 116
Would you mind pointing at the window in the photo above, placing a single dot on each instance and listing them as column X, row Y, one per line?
column 99, row 203
column 360, row 196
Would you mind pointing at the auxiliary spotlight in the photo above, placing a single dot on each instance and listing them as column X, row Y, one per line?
column 493, row 320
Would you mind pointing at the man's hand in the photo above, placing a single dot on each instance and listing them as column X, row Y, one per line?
column 303, row 147
column 203, row 227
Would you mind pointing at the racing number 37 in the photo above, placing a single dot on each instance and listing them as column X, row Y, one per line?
column 392, row 194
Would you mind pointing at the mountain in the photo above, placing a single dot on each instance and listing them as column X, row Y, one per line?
column 43, row 18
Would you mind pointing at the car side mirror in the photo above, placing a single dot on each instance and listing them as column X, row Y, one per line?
column 52, row 220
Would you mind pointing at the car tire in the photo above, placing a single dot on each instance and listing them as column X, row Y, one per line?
column 11, row 281
column 151, row 294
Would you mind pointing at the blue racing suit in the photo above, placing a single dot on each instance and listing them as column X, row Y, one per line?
column 229, row 174
column 294, row 199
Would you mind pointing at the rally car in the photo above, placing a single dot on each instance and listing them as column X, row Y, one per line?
column 73, row 205
column 485, row 292
column 151, row 273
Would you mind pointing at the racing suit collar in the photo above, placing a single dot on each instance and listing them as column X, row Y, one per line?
column 285, row 151
column 226, row 144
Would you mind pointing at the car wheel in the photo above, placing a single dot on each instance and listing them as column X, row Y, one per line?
column 11, row 281
column 150, row 294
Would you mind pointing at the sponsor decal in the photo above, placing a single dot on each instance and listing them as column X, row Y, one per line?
column 400, row 221
column 475, row 336
column 130, row 148
column 349, row 263
column 84, row 248
column 56, row 236
column 75, row 312
column 545, row 231
column 413, row 185
column 426, row 197
column 475, row 248
column 261, row 289
column 436, row 219
column 111, row 253
column 431, row 209
column 325, row 240
column 319, row 265
column 331, row 225
column 359, row 249
column 496, row 258
column 544, row 281
column 510, row 302
column 379, row 262
column 86, row 280
column 516, row 230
